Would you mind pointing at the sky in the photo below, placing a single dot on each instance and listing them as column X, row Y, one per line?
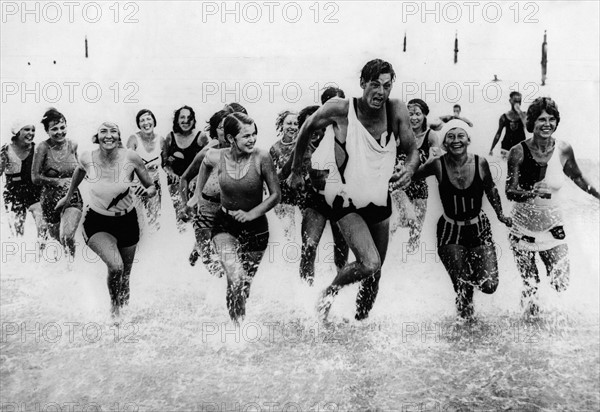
column 277, row 55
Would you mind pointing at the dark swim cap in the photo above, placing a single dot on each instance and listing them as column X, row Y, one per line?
column 421, row 104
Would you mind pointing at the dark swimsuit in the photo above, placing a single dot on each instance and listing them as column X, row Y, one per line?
column 182, row 158
column 515, row 132
column 463, row 222
column 20, row 192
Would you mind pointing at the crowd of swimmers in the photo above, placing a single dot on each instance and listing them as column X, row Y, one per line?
column 349, row 161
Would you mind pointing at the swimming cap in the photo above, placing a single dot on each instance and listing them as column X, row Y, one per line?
column 454, row 123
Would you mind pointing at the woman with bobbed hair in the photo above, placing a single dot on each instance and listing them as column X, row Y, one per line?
column 149, row 146
column 54, row 161
column 240, row 230
column 536, row 172
column 110, row 225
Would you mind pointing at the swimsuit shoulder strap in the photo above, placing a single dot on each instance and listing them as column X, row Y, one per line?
column 388, row 117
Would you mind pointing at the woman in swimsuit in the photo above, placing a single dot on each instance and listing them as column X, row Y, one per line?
column 536, row 172
column 287, row 131
column 209, row 201
column 54, row 162
column 417, row 192
column 464, row 235
column 20, row 194
column 110, row 225
column 240, row 230
column 181, row 145
column 149, row 146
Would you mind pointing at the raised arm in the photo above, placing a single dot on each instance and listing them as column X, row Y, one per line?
column 492, row 192
column 571, row 169
column 323, row 117
column 191, row 172
column 428, row 169
column 142, row 173
column 498, row 134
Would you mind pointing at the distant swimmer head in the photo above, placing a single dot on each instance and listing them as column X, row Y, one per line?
column 330, row 93
column 108, row 134
column 540, row 106
column 456, row 135
column 145, row 120
column 22, row 129
column 456, row 109
column 417, row 113
column 241, row 132
column 376, row 79
column 184, row 120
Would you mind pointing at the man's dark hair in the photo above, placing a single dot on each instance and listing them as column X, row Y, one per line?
column 375, row 68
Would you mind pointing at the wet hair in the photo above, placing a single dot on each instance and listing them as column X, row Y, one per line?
column 331, row 92
column 176, row 127
column 215, row 120
column 305, row 114
column 513, row 94
column 538, row 106
column 424, row 108
column 233, row 123
column 236, row 108
column 457, row 106
column 373, row 69
column 141, row 113
column 110, row 124
column 52, row 115
column 281, row 118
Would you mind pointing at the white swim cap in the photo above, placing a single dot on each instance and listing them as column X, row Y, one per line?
column 18, row 124
column 454, row 123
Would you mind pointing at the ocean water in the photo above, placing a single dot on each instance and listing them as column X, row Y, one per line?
column 175, row 348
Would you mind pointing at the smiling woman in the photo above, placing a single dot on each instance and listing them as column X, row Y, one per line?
column 110, row 226
column 464, row 234
column 54, row 162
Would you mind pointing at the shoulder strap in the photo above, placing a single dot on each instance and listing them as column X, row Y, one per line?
column 476, row 168
column 444, row 171
column 388, row 117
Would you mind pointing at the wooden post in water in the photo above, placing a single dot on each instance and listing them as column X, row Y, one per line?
column 86, row 48
column 404, row 49
column 455, row 47
column 544, row 59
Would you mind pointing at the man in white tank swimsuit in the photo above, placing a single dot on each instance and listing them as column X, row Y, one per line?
column 371, row 130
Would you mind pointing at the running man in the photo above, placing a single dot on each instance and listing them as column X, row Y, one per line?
column 514, row 123
column 361, row 165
